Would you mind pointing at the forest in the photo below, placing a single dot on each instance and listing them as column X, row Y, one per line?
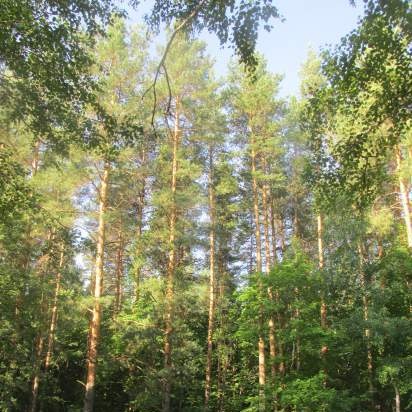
column 175, row 240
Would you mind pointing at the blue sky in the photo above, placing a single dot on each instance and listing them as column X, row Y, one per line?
column 308, row 24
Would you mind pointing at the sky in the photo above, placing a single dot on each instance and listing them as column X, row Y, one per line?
column 308, row 24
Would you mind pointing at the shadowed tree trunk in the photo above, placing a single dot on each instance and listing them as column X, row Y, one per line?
column 171, row 268
column 323, row 309
column 367, row 331
column 43, row 264
column 94, row 331
column 212, row 286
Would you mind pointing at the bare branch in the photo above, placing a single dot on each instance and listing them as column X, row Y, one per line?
column 180, row 27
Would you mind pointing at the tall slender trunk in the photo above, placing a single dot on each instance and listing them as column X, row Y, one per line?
column 397, row 398
column 323, row 309
column 223, row 357
column 273, row 229
column 119, row 272
column 367, row 331
column 94, row 331
column 171, row 268
column 261, row 341
column 43, row 264
column 53, row 319
column 27, row 250
column 139, row 229
column 212, row 286
column 297, row 316
column 282, row 235
column 280, row 323
column 404, row 195
column 265, row 207
column 36, row 378
column 268, row 264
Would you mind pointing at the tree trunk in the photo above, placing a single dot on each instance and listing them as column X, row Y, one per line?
column 404, row 195
column 268, row 261
column 171, row 269
column 36, row 378
column 119, row 272
column 323, row 309
column 35, row 158
column 273, row 229
column 297, row 316
column 43, row 265
column 367, row 331
column 53, row 320
column 94, row 332
column 397, row 399
column 282, row 235
column 139, row 229
column 211, row 282
column 222, row 358
column 280, row 323
column 261, row 342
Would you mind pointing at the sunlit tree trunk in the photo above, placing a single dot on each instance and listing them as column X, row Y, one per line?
column 211, row 282
column 273, row 229
column 54, row 312
column 119, row 272
column 261, row 342
column 36, row 157
column 404, row 196
column 268, row 264
column 171, row 268
column 282, row 235
column 397, row 399
column 94, row 331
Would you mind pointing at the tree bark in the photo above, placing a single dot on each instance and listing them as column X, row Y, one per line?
column 261, row 342
column 139, row 230
column 35, row 158
column 53, row 319
column 171, row 268
column 36, row 378
column 223, row 357
column 273, row 229
column 212, row 285
column 119, row 272
column 94, row 332
column 367, row 331
column 404, row 196
column 43, row 264
column 268, row 264
column 397, row 399
column 323, row 309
